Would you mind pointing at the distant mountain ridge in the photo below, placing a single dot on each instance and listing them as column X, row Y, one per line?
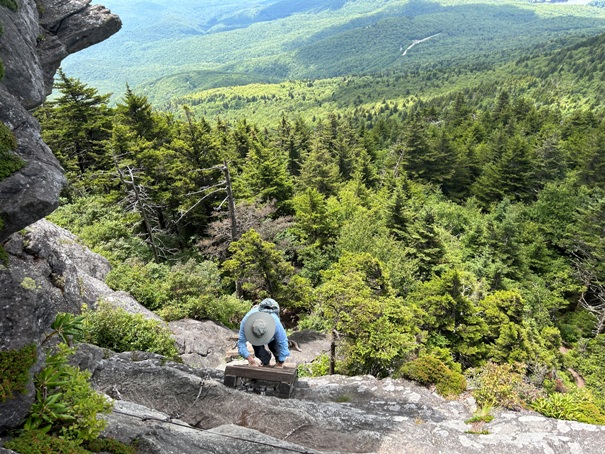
column 297, row 39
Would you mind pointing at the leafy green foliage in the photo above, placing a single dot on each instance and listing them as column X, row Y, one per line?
column 588, row 360
column 39, row 442
column 577, row 405
column 429, row 370
column 77, row 134
column 68, row 327
column 357, row 303
column 501, row 385
column 103, row 226
column 319, row 367
column 66, row 404
column 121, row 331
column 482, row 415
column 109, row 445
column 259, row 266
column 189, row 289
column 14, row 370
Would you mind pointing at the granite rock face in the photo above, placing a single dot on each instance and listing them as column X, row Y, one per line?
column 172, row 407
column 36, row 38
column 48, row 272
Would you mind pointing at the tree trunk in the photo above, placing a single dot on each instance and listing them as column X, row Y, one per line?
column 234, row 232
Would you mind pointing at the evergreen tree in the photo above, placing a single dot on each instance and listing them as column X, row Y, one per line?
column 76, row 126
column 264, row 177
column 319, row 170
column 259, row 266
column 512, row 175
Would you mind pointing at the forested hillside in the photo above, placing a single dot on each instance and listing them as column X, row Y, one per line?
column 569, row 75
column 453, row 236
column 297, row 39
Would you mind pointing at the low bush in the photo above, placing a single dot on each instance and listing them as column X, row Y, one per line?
column 66, row 404
column 502, row 385
column 226, row 309
column 430, row 370
column 109, row 445
column 319, row 367
column 9, row 162
column 10, row 4
column 577, row 405
column 121, row 331
column 588, row 359
column 38, row 442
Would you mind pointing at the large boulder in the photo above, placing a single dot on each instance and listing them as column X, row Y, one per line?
column 48, row 272
column 36, row 38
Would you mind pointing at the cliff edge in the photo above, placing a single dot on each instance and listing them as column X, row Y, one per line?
column 37, row 36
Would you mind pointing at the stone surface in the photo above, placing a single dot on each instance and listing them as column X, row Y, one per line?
column 48, row 272
column 328, row 414
column 202, row 344
column 32, row 49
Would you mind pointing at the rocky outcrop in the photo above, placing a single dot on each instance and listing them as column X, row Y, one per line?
column 170, row 407
column 36, row 38
column 48, row 272
column 36, row 285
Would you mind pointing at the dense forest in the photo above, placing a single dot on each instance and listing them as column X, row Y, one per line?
column 180, row 48
column 454, row 238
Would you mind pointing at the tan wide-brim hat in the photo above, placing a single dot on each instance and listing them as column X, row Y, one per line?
column 259, row 328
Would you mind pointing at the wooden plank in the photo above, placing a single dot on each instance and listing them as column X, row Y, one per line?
column 287, row 374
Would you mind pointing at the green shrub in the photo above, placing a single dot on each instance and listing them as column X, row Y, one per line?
column 9, row 163
column 483, row 415
column 109, row 445
column 429, row 370
column 319, row 367
column 102, row 225
column 576, row 325
column 121, row 331
column 66, row 404
column 588, row 360
column 14, row 370
column 502, row 385
column 38, row 442
column 577, row 405
column 226, row 309
column 146, row 282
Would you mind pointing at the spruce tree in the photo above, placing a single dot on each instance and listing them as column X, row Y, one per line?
column 76, row 126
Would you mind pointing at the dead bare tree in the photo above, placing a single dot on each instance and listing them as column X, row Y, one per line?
column 592, row 298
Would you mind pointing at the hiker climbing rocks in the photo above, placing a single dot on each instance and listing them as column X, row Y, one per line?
column 261, row 326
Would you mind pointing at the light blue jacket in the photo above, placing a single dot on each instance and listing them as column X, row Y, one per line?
column 280, row 336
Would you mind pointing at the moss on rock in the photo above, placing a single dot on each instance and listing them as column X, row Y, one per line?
column 14, row 370
column 10, row 4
